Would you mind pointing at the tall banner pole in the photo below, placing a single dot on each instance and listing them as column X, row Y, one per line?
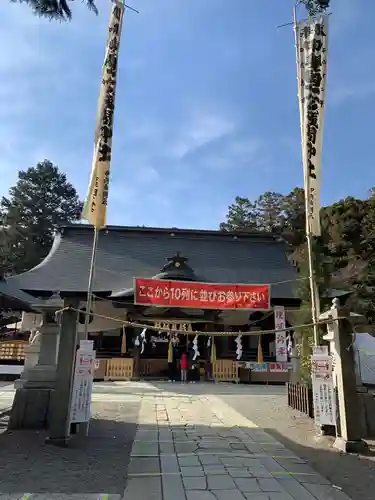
column 95, row 206
column 311, row 53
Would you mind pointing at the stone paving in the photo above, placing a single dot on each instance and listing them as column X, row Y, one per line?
column 188, row 445
column 195, row 447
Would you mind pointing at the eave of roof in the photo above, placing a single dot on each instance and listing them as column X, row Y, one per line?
column 15, row 299
column 126, row 252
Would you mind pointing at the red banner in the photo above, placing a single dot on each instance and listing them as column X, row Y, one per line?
column 201, row 295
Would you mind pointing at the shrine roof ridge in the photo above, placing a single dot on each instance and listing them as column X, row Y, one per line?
column 267, row 235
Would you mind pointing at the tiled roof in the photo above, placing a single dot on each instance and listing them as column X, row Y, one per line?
column 128, row 252
column 13, row 298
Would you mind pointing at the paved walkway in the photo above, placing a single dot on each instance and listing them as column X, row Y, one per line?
column 197, row 447
column 188, row 445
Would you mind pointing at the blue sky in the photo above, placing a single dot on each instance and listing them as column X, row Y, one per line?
column 206, row 104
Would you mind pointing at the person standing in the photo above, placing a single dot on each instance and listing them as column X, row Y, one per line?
column 184, row 365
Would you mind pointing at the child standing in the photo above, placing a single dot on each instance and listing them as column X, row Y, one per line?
column 184, row 364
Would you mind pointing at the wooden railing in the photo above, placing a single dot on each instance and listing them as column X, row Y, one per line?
column 300, row 398
column 225, row 370
column 12, row 350
column 119, row 369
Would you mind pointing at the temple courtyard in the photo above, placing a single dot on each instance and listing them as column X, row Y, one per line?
column 168, row 441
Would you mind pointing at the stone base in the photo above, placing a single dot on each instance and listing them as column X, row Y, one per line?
column 358, row 446
column 30, row 409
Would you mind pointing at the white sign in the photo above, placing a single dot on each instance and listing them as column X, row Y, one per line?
column 320, row 350
column 280, row 336
column 312, row 48
column 324, row 397
column 80, row 407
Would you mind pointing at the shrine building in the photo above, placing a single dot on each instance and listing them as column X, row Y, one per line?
column 169, row 284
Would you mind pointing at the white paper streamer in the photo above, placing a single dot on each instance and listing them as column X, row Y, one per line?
column 195, row 348
column 238, row 341
column 143, row 339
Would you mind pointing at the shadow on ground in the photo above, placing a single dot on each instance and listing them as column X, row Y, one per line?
column 354, row 474
column 96, row 464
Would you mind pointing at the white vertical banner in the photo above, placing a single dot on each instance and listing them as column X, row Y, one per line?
column 95, row 207
column 280, row 334
column 312, row 53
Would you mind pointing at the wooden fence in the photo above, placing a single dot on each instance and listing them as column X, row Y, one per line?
column 300, row 398
column 119, row 369
column 225, row 370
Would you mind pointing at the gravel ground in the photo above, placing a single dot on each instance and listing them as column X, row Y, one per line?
column 96, row 465
column 354, row 474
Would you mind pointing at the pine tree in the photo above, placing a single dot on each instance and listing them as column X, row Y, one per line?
column 55, row 9
column 41, row 200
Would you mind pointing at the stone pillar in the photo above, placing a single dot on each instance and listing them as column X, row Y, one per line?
column 33, row 389
column 61, row 397
column 340, row 333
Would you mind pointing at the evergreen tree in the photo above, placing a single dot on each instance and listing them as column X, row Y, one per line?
column 344, row 255
column 41, row 200
column 315, row 6
column 55, row 9
column 271, row 212
column 242, row 216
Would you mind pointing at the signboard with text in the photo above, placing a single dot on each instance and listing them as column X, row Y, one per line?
column 257, row 367
column 201, row 295
column 279, row 367
column 280, row 334
column 324, row 397
column 80, row 408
